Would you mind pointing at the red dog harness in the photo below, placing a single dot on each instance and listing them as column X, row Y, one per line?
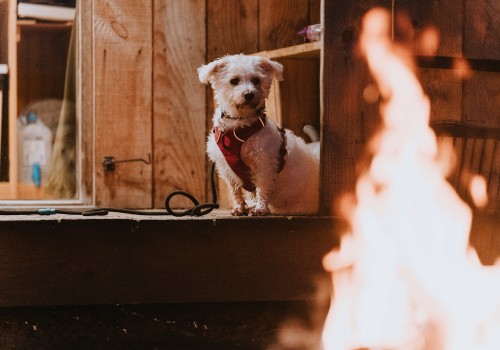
column 230, row 142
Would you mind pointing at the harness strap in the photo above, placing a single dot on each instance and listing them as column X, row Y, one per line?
column 230, row 142
column 283, row 152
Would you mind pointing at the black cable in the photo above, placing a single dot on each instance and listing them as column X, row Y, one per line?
column 197, row 209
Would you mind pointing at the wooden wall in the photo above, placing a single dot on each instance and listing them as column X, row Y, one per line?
column 149, row 100
column 179, row 99
column 42, row 53
column 148, row 97
column 123, row 100
column 466, row 29
column 122, row 260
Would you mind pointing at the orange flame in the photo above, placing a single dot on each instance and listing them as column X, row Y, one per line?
column 405, row 276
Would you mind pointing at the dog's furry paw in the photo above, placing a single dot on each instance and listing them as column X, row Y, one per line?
column 239, row 211
column 259, row 212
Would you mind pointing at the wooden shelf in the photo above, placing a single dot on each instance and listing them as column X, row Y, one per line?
column 307, row 50
column 22, row 191
column 43, row 25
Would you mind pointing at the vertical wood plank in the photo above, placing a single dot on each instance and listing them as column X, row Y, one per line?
column 482, row 29
column 179, row 100
column 455, row 174
column 86, row 100
column 314, row 11
column 42, row 52
column 4, row 31
column 444, row 15
column 487, row 160
column 467, row 155
column 344, row 78
column 4, row 131
column 494, row 180
column 484, row 236
column 477, row 152
column 481, row 99
column 299, row 95
column 444, row 89
column 273, row 103
column 13, row 109
column 279, row 22
column 231, row 28
column 123, row 101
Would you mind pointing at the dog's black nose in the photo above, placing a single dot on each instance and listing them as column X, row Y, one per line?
column 248, row 96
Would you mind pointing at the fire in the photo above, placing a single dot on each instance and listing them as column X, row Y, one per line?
column 405, row 276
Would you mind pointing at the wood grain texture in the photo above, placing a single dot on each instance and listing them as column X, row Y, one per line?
column 481, row 99
column 299, row 95
column 4, row 30
column 314, row 11
column 13, row 108
column 482, row 29
column 444, row 89
column 123, row 101
column 458, row 145
column 231, row 27
column 128, row 259
column 179, row 100
column 305, row 50
column 491, row 171
column 487, row 164
column 279, row 22
column 484, row 236
column 475, row 153
column 344, row 78
column 86, row 101
column 273, row 103
column 446, row 16
column 42, row 54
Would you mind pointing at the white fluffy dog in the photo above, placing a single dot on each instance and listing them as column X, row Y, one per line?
column 251, row 152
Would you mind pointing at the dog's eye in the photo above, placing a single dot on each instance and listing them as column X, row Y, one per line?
column 256, row 81
column 234, row 81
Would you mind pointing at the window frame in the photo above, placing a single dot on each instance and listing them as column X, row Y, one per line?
column 85, row 192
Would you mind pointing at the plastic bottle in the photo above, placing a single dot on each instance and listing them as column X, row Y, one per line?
column 34, row 149
column 312, row 32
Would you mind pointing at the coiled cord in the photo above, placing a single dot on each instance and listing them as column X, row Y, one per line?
column 197, row 209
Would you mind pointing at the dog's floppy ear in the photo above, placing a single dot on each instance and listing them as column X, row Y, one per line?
column 273, row 67
column 207, row 71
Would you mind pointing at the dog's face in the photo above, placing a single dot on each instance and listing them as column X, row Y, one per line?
column 241, row 83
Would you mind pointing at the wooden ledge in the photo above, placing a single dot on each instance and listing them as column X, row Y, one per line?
column 121, row 258
column 215, row 215
column 306, row 50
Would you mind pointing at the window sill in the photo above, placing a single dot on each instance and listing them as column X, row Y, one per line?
column 122, row 258
column 215, row 215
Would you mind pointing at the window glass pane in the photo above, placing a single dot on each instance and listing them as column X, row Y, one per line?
column 39, row 114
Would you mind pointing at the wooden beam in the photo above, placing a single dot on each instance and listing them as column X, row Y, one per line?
column 345, row 113
column 123, row 101
column 61, row 260
column 179, row 100
column 279, row 22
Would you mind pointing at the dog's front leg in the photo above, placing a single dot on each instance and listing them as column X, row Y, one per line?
column 265, row 182
column 261, row 207
column 239, row 204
